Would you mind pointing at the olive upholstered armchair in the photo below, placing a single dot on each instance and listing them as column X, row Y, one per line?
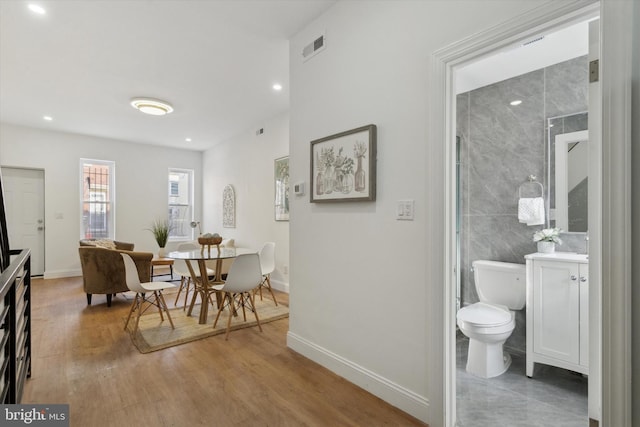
column 103, row 269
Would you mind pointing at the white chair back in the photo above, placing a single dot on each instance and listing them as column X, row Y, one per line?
column 188, row 246
column 180, row 265
column 131, row 274
column 268, row 258
column 244, row 274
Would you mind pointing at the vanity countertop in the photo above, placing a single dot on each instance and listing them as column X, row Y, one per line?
column 560, row 256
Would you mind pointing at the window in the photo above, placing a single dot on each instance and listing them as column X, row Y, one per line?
column 180, row 204
column 97, row 199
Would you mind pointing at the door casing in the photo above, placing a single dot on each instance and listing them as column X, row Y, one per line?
column 615, row 263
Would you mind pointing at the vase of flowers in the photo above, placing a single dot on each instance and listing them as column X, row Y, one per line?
column 547, row 239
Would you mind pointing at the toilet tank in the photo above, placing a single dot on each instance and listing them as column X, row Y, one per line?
column 500, row 283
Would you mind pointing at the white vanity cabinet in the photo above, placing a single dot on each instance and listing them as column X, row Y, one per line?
column 558, row 311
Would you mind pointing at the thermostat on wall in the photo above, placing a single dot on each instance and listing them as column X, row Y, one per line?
column 298, row 188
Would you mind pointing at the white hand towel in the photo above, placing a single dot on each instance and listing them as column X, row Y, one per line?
column 531, row 210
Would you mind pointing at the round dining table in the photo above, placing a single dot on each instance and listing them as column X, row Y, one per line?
column 206, row 285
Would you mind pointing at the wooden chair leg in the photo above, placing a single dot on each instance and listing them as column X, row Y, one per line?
column 186, row 291
column 214, row 304
column 224, row 298
column 231, row 310
column 255, row 312
column 244, row 313
column 175, row 303
column 140, row 302
column 133, row 305
column 268, row 281
column 160, row 299
column 156, row 301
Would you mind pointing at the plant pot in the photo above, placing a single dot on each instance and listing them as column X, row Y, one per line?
column 162, row 252
column 546, row 247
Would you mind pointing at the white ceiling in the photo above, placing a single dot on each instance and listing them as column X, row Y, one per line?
column 215, row 61
column 532, row 54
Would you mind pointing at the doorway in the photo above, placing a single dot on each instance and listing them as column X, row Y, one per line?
column 542, row 20
column 24, row 201
column 507, row 127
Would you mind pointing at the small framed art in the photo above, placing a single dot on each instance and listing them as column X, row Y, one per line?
column 281, row 174
column 343, row 166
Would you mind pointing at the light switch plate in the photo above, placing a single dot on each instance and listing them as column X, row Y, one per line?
column 298, row 188
column 405, row 210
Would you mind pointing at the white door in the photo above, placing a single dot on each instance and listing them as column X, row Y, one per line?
column 24, row 204
column 595, row 220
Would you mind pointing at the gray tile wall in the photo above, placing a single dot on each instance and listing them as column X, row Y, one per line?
column 500, row 146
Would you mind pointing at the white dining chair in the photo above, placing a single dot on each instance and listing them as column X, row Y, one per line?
column 141, row 290
column 267, row 266
column 181, row 269
column 244, row 275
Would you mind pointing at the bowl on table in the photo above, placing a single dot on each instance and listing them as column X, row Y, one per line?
column 209, row 241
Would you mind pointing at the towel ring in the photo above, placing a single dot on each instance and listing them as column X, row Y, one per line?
column 532, row 179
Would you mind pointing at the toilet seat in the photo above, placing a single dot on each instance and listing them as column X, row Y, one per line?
column 484, row 315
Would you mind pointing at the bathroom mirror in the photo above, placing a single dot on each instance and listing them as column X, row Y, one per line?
column 567, row 172
column 571, row 181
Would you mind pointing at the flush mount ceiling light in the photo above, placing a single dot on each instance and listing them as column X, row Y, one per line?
column 516, row 102
column 37, row 9
column 151, row 106
column 277, row 87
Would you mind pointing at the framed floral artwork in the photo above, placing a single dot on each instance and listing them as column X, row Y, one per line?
column 343, row 166
column 281, row 174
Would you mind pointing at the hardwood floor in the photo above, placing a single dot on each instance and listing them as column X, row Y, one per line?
column 82, row 356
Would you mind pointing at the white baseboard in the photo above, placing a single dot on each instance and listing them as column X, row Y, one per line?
column 396, row 395
column 279, row 285
column 59, row 274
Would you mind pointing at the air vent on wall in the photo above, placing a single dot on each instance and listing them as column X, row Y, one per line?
column 532, row 41
column 313, row 48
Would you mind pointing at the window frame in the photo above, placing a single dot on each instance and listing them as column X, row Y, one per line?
column 191, row 202
column 111, row 191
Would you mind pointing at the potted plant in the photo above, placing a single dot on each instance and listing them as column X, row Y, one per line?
column 161, row 230
column 547, row 239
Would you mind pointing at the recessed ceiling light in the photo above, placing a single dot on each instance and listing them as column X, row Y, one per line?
column 151, row 106
column 47, row 118
column 277, row 86
column 516, row 102
column 37, row 9
column 188, row 139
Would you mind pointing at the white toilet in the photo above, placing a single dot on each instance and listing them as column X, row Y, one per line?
column 501, row 288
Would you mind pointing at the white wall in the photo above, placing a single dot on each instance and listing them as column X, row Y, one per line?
column 247, row 163
column 141, row 186
column 635, row 225
column 359, row 277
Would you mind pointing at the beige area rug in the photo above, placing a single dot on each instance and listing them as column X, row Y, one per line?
column 154, row 334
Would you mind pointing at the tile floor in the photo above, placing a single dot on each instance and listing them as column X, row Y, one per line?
column 554, row 397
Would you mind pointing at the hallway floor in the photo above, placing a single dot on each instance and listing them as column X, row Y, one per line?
column 553, row 397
